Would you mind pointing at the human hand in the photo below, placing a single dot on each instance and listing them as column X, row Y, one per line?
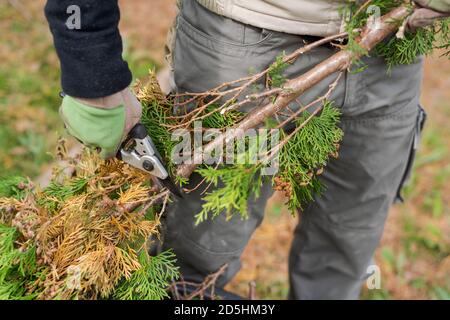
column 102, row 123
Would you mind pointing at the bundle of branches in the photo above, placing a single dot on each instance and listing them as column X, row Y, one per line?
column 78, row 239
column 87, row 235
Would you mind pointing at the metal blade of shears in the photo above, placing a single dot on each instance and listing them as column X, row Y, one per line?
column 140, row 152
column 171, row 186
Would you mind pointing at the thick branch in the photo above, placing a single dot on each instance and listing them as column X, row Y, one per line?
column 295, row 87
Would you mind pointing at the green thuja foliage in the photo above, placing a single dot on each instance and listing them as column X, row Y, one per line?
column 8, row 253
column 64, row 191
column 156, row 117
column 301, row 161
column 18, row 268
column 444, row 33
column 359, row 18
column 422, row 42
column 10, row 187
column 303, row 158
column 57, row 193
column 218, row 120
column 150, row 281
column 306, row 154
column 396, row 50
column 234, row 185
column 275, row 75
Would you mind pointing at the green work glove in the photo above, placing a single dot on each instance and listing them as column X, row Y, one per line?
column 427, row 13
column 102, row 123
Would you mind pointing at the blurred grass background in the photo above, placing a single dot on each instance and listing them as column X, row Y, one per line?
column 414, row 254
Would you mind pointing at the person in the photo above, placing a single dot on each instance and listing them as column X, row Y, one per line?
column 221, row 40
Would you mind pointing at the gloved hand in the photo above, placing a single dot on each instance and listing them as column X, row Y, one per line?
column 102, row 123
column 427, row 13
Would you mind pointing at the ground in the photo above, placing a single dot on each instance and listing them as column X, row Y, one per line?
column 414, row 253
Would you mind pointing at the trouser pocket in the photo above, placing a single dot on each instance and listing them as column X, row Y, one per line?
column 421, row 120
column 207, row 26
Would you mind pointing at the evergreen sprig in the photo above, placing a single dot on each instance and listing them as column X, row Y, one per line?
column 275, row 75
column 307, row 153
column 422, row 42
column 151, row 280
column 155, row 117
column 217, row 120
column 18, row 268
column 301, row 159
column 233, row 187
column 397, row 51
column 9, row 187
column 57, row 193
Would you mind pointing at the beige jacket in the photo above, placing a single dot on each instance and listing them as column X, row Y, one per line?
column 305, row 17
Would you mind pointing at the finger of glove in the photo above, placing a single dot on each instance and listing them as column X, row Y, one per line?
column 424, row 17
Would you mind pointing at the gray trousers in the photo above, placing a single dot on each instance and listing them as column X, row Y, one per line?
column 335, row 242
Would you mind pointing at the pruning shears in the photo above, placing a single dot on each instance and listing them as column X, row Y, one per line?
column 139, row 151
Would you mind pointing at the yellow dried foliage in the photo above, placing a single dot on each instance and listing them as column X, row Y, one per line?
column 151, row 91
column 88, row 241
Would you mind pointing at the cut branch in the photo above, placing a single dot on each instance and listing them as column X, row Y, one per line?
column 341, row 61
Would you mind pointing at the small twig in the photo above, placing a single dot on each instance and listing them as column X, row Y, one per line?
column 251, row 98
column 218, row 93
column 147, row 203
column 362, row 7
column 269, row 155
column 156, row 199
column 273, row 152
column 201, row 183
column 252, row 290
column 332, row 87
column 209, row 283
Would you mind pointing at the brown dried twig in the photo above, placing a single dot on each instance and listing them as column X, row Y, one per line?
column 200, row 289
column 236, row 88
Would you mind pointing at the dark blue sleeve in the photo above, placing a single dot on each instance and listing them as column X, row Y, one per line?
column 91, row 55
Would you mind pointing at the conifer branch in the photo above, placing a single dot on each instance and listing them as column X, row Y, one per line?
column 98, row 220
column 294, row 88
